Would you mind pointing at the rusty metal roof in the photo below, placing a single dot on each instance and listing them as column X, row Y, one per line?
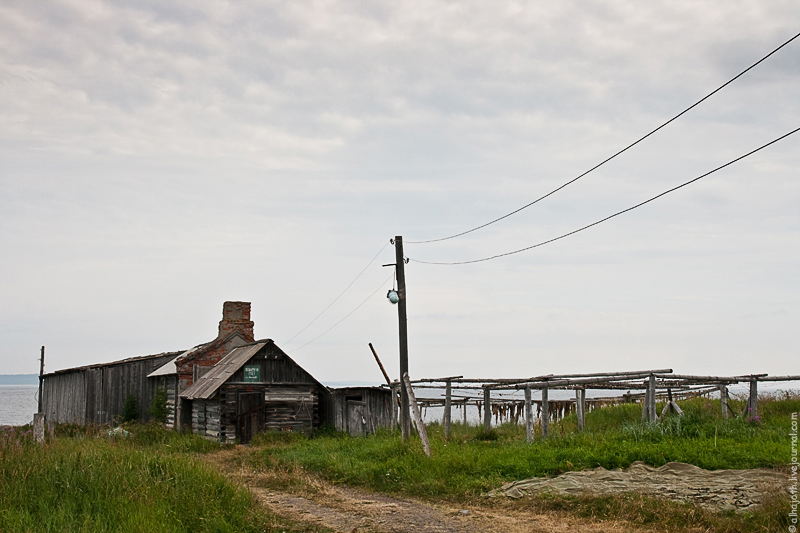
column 205, row 387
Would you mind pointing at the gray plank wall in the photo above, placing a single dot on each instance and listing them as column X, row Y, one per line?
column 376, row 409
column 96, row 394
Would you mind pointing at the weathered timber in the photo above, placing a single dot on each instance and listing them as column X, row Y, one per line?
column 752, row 402
column 423, row 434
column 487, row 409
column 580, row 401
column 405, row 419
column 378, row 360
column 723, row 400
column 437, row 380
column 652, row 397
column 448, row 403
column 545, row 412
column 395, row 404
column 38, row 428
column 528, row 416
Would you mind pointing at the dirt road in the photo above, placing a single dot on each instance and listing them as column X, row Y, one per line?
column 349, row 510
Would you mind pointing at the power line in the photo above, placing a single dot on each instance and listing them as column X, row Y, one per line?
column 340, row 295
column 346, row 316
column 615, row 214
column 706, row 97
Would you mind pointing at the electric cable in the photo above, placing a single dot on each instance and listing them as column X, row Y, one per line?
column 340, row 295
column 706, row 97
column 383, row 284
column 615, row 214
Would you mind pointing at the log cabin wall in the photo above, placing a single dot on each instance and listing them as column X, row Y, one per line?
column 264, row 390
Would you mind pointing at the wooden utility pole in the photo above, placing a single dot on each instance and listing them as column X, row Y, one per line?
column 405, row 415
column 41, row 379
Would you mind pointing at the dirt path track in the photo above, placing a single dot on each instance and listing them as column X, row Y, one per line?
column 348, row 510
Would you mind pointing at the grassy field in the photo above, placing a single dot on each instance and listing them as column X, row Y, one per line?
column 471, row 462
column 154, row 480
column 149, row 482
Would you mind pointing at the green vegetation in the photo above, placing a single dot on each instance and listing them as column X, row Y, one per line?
column 158, row 408
column 130, row 409
column 150, row 481
column 472, row 462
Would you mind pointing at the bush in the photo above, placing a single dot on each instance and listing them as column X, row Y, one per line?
column 130, row 410
column 158, row 408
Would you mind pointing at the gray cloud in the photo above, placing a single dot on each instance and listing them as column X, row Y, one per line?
column 161, row 158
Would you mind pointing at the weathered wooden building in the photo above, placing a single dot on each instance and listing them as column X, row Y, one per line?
column 96, row 394
column 255, row 387
column 227, row 389
column 359, row 410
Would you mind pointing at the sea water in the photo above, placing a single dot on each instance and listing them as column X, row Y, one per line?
column 17, row 404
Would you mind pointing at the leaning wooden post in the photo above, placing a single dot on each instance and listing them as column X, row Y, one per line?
column 545, row 412
column 646, row 403
column 651, row 388
column 528, row 414
column 38, row 427
column 412, row 400
column 752, row 403
column 487, row 408
column 580, row 407
column 394, row 401
column 448, row 405
column 723, row 400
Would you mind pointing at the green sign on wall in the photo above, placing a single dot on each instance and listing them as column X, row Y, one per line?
column 252, row 373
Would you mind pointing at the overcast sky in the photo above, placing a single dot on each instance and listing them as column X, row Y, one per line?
column 159, row 158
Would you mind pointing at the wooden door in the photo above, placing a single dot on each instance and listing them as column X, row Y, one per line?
column 356, row 418
column 250, row 415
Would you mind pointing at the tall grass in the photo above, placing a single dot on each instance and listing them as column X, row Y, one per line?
column 471, row 462
column 148, row 482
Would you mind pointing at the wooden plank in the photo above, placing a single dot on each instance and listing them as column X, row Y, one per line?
column 580, row 407
column 447, row 409
column 652, row 390
column 545, row 412
column 487, row 409
column 423, row 435
column 528, row 415
column 723, row 400
column 752, row 402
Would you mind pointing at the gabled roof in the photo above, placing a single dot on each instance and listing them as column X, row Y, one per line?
column 205, row 387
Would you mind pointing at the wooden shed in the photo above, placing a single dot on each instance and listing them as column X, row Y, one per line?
column 359, row 410
column 255, row 387
column 96, row 394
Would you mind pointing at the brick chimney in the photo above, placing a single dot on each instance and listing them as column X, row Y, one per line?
column 236, row 317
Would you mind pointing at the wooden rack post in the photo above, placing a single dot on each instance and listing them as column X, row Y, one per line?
column 545, row 412
column 487, row 409
column 447, row 407
column 395, row 386
column 752, row 402
column 651, row 388
column 723, row 400
column 580, row 407
column 528, row 415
